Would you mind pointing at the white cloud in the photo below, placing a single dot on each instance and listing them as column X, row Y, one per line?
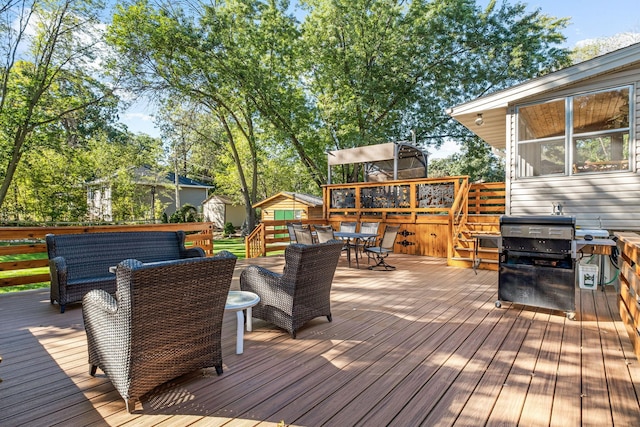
column 445, row 150
column 138, row 116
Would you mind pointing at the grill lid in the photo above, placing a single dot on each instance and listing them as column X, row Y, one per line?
column 539, row 220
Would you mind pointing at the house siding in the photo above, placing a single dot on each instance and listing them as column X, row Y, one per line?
column 610, row 200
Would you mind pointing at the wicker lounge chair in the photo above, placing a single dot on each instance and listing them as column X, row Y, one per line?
column 301, row 292
column 165, row 321
column 79, row 263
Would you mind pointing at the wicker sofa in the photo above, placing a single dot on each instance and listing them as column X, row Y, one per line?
column 79, row 263
column 165, row 321
column 301, row 292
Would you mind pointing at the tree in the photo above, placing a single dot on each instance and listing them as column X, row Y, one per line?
column 475, row 160
column 595, row 47
column 353, row 73
column 45, row 77
column 381, row 69
column 229, row 59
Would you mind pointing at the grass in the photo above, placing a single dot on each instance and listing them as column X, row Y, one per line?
column 234, row 245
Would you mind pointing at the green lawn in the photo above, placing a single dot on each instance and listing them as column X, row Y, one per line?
column 233, row 245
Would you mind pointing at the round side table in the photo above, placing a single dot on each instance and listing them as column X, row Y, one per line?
column 238, row 301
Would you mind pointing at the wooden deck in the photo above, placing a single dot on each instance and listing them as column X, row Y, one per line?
column 422, row 345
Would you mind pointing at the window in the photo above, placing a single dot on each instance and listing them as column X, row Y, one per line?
column 597, row 124
column 601, row 131
column 541, row 139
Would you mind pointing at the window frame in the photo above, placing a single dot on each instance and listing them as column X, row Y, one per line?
column 569, row 134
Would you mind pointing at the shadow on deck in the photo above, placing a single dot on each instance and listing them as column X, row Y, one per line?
column 420, row 345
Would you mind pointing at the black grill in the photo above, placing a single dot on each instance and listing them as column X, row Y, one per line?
column 537, row 262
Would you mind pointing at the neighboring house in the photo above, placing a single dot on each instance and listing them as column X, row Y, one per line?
column 221, row 209
column 154, row 189
column 290, row 206
column 571, row 140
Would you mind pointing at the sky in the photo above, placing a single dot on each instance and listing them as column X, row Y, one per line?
column 590, row 19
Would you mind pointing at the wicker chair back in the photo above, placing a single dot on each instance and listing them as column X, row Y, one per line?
column 302, row 292
column 165, row 321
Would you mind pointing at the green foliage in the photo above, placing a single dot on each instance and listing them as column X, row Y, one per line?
column 187, row 213
column 596, row 47
column 46, row 83
column 381, row 69
column 229, row 229
column 475, row 160
column 250, row 98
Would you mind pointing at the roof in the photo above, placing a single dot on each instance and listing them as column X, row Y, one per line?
column 183, row 181
column 143, row 175
column 218, row 198
column 391, row 160
column 493, row 107
column 305, row 199
column 373, row 153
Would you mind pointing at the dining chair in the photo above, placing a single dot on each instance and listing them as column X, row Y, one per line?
column 382, row 251
column 304, row 236
column 370, row 228
column 324, row 233
column 291, row 226
column 348, row 227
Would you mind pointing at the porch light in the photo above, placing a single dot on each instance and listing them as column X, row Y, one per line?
column 479, row 120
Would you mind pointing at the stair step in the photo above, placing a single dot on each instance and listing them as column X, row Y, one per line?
column 488, row 261
column 480, row 250
column 484, row 232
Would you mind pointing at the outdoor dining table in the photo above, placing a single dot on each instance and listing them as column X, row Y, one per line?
column 355, row 237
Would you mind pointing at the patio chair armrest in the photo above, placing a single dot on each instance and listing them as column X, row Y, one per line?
column 99, row 300
column 259, row 280
column 193, row 253
column 58, row 269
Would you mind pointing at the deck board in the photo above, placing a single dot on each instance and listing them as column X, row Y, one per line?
column 422, row 345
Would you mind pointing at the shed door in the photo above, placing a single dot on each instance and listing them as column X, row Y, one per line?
column 285, row 215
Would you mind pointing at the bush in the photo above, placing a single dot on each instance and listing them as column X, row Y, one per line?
column 229, row 229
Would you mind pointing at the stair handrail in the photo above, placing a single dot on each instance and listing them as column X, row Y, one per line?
column 255, row 243
column 458, row 215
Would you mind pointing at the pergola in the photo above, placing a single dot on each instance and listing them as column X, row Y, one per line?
column 383, row 162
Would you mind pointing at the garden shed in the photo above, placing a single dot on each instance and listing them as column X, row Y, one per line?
column 220, row 210
column 290, row 206
column 570, row 139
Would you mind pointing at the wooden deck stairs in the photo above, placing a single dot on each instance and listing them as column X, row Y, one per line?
column 476, row 245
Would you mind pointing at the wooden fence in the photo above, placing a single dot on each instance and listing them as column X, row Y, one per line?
column 18, row 241
column 429, row 211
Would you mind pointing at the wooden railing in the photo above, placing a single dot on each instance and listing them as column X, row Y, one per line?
column 270, row 238
column 629, row 294
column 18, row 241
column 406, row 199
column 458, row 216
column 430, row 211
column 487, row 198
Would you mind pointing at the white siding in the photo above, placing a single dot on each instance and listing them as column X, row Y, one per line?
column 611, row 200
column 614, row 198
